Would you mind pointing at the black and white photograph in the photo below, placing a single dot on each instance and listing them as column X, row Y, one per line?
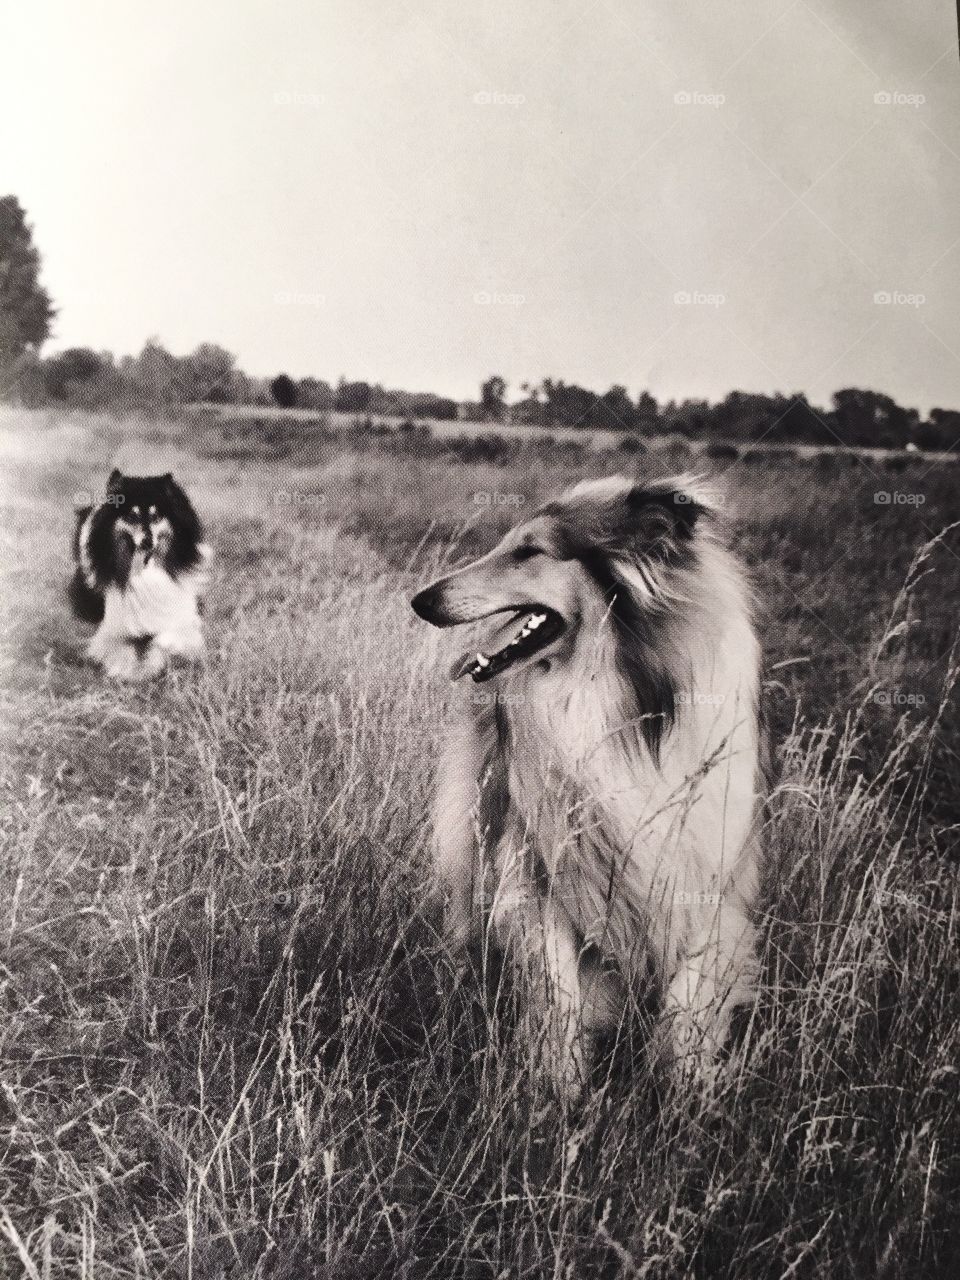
column 480, row 615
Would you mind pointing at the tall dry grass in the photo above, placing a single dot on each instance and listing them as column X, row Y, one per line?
column 232, row 1042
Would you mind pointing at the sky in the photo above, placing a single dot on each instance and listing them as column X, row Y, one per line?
column 684, row 196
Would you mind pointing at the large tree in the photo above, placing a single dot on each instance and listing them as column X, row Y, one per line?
column 25, row 308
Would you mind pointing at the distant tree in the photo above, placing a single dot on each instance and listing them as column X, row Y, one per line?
column 284, row 390
column 387, row 404
column 26, row 379
column 445, row 410
column 798, row 421
column 615, row 410
column 258, row 392
column 742, row 415
column 314, row 393
column 898, row 424
column 940, row 431
column 25, row 308
column 69, row 369
column 871, row 419
column 568, row 405
column 693, row 418
column 529, row 411
column 81, row 377
column 425, row 404
column 206, row 374
column 352, row 397
column 154, row 375
column 648, row 412
column 240, row 389
column 493, row 399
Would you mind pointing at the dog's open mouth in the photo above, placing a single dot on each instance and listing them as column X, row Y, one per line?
column 530, row 630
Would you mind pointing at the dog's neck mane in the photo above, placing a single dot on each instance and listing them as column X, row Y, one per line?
column 653, row 687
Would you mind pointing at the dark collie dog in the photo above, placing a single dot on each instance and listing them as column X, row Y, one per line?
column 599, row 812
column 141, row 570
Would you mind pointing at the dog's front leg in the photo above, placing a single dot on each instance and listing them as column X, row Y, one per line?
column 717, row 973
column 546, row 945
column 456, row 856
column 567, row 1046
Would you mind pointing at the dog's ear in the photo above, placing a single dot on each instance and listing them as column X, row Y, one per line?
column 639, row 521
column 114, row 480
column 655, row 521
column 667, row 504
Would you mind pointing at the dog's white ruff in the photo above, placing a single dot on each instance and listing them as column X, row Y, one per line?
column 151, row 604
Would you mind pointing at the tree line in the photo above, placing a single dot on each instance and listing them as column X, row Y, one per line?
column 156, row 378
column 856, row 417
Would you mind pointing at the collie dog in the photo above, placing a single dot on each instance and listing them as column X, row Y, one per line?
column 599, row 811
column 141, row 568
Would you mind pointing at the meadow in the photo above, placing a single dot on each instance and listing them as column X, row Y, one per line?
column 232, row 1041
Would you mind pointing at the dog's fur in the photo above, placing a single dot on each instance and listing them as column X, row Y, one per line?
column 600, row 811
column 141, row 569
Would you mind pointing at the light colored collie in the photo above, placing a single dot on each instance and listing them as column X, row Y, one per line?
column 597, row 802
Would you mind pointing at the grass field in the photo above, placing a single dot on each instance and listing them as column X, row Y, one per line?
column 232, row 1043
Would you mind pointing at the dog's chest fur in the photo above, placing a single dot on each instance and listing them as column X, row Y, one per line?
column 631, row 844
column 152, row 617
column 563, row 815
column 151, row 602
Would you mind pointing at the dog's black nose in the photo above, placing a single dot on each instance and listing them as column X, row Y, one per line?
column 424, row 604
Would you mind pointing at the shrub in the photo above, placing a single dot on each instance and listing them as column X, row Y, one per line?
column 630, row 444
column 716, row 450
column 483, row 448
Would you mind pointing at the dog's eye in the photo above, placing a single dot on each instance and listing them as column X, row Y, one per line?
column 525, row 553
